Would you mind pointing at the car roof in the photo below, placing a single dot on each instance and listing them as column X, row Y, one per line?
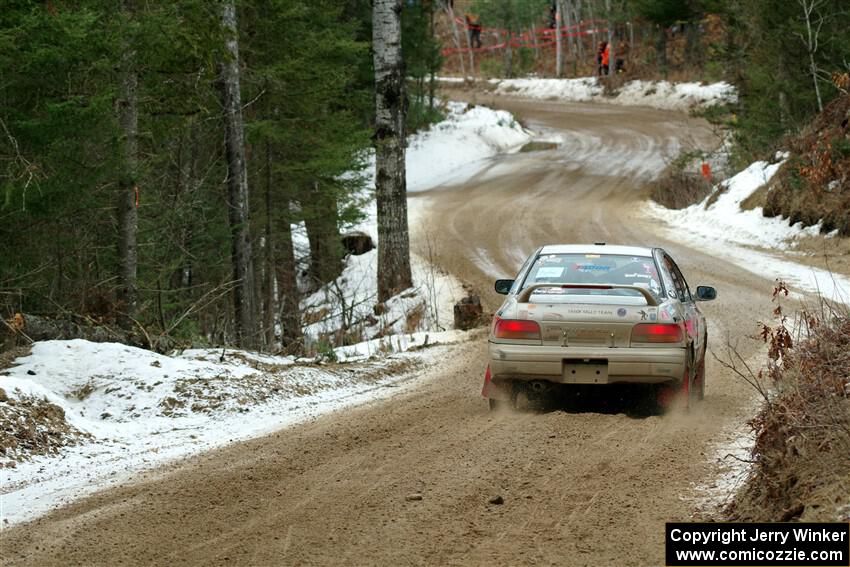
column 596, row 249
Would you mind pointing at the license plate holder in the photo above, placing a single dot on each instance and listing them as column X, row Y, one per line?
column 585, row 371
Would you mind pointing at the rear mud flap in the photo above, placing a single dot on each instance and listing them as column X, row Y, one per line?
column 488, row 383
column 496, row 390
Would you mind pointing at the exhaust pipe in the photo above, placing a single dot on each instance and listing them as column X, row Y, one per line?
column 539, row 386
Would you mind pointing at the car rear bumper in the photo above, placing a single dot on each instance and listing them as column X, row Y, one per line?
column 641, row 365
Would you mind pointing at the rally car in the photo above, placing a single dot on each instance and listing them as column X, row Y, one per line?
column 597, row 314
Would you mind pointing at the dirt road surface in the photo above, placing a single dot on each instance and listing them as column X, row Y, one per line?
column 408, row 481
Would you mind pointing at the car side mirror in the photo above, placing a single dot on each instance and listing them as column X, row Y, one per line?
column 504, row 286
column 706, row 293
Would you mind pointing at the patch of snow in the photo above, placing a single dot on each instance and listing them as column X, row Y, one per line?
column 144, row 409
column 456, row 148
column 454, row 79
column 397, row 343
column 656, row 94
column 351, row 298
column 731, row 456
column 487, row 264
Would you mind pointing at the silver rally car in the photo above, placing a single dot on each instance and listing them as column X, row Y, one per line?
column 597, row 314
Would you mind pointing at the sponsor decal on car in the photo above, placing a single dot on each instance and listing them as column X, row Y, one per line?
column 549, row 272
column 591, row 268
column 590, row 311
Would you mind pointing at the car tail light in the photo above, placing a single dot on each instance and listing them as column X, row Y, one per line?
column 517, row 329
column 657, row 333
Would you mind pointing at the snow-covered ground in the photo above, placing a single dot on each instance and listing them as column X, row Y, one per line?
column 143, row 409
column 428, row 306
column 656, row 94
column 720, row 226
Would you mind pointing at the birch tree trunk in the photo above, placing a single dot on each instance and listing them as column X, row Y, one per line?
column 237, row 186
column 811, row 41
column 593, row 23
column 288, row 299
column 128, row 218
column 390, row 180
column 559, row 47
column 578, row 39
column 456, row 36
column 612, row 56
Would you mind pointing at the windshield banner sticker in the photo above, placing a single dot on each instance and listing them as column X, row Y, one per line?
column 550, row 272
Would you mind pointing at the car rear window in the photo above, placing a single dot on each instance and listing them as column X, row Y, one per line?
column 638, row 271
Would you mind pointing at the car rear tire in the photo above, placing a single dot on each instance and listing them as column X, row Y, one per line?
column 523, row 401
column 700, row 386
column 495, row 405
column 693, row 385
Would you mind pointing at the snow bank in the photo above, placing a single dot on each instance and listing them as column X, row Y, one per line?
column 453, row 150
column 143, row 409
column 583, row 89
column 731, row 456
column 719, row 225
column 719, row 216
column 657, row 94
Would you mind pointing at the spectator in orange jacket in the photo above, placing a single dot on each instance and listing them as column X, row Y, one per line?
column 606, row 58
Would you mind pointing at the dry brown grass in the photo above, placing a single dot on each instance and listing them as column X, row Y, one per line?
column 801, row 467
column 677, row 189
column 814, row 185
column 756, row 199
column 536, row 146
column 414, row 318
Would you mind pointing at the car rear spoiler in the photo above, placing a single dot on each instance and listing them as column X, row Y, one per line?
column 525, row 294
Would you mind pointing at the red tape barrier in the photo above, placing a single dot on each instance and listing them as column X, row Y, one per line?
column 537, row 31
column 527, row 39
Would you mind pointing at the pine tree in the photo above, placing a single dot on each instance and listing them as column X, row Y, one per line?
column 309, row 119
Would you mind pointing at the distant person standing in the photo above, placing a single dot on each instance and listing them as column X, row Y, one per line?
column 606, row 58
column 473, row 25
column 603, row 54
column 623, row 52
